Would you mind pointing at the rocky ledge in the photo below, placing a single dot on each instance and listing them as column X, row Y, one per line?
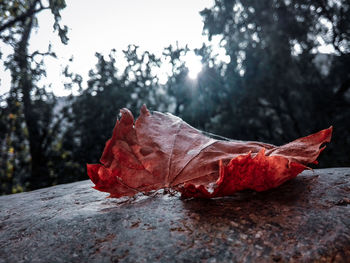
column 305, row 220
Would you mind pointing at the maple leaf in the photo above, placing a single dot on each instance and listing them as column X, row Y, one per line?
column 162, row 151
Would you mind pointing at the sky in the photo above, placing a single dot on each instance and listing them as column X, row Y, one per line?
column 99, row 26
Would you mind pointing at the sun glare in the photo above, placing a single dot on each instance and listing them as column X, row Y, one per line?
column 193, row 64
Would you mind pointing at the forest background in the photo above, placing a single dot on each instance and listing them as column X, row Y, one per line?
column 274, row 87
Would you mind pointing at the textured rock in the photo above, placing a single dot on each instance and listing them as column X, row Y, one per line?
column 305, row 220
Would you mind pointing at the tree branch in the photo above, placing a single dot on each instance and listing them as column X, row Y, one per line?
column 31, row 11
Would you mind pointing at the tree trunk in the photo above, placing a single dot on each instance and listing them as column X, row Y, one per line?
column 39, row 174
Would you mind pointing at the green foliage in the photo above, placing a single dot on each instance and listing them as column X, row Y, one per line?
column 33, row 126
column 14, row 153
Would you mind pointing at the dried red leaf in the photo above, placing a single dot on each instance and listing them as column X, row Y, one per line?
column 162, row 151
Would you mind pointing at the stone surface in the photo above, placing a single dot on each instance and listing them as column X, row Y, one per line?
column 305, row 220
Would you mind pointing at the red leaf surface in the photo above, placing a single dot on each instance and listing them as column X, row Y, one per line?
column 162, row 151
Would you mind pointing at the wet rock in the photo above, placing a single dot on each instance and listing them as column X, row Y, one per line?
column 305, row 220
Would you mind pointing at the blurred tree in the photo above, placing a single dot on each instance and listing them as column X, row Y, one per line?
column 30, row 104
column 194, row 100
column 14, row 151
column 178, row 87
column 274, row 89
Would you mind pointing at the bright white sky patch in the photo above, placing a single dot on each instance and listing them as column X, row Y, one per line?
column 194, row 65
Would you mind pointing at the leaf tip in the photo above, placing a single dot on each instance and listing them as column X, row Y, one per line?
column 144, row 110
column 127, row 117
